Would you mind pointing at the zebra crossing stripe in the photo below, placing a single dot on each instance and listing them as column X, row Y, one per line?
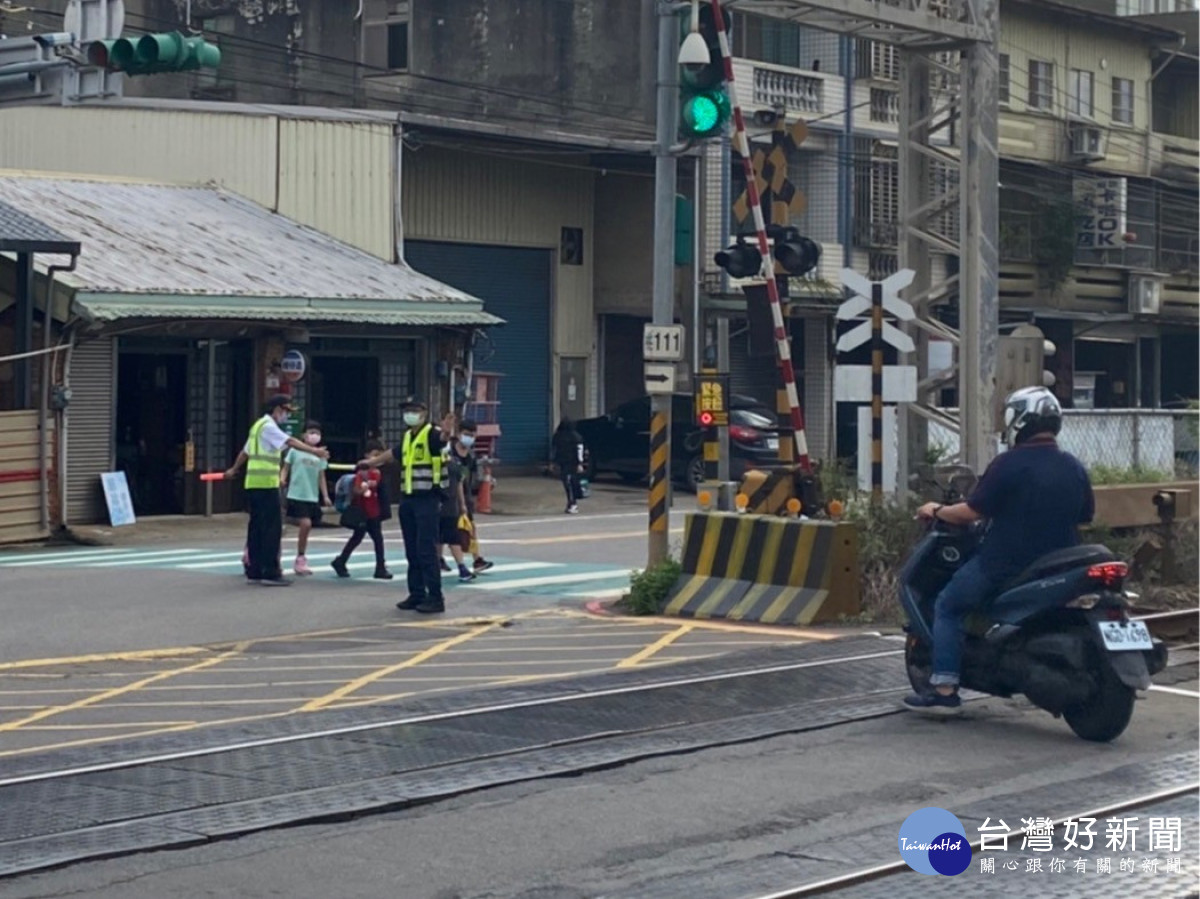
column 67, row 561
column 553, row 579
column 182, row 555
column 68, row 555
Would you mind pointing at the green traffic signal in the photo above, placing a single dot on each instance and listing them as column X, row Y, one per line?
column 703, row 104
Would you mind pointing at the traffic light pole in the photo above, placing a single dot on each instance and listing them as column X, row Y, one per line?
column 664, row 274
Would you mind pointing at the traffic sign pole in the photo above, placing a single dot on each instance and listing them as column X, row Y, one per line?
column 877, row 392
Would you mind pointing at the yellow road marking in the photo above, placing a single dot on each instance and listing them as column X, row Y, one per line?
column 136, row 656
column 118, row 691
column 40, row 727
column 784, row 632
column 661, row 643
column 411, row 661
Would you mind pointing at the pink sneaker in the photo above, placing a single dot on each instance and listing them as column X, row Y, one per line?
column 301, row 567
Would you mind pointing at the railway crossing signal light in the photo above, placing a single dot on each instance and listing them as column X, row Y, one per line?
column 705, row 419
column 741, row 260
column 704, row 107
column 797, row 255
column 153, row 53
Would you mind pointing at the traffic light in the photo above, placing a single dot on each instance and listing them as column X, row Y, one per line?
column 153, row 53
column 704, row 107
column 797, row 255
column 741, row 260
column 706, row 418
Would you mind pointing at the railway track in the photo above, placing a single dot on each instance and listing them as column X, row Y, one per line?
column 1177, row 626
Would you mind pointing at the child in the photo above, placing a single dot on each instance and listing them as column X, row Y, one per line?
column 462, row 454
column 461, row 471
column 303, row 478
column 369, row 509
column 568, row 456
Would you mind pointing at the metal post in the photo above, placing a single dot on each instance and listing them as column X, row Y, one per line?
column 664, row 274
column 877, row 392
column 23, row 386
column 723, row 368
column 210, row 403
column 697, row 224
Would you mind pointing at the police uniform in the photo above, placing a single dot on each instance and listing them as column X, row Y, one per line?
column 422, row 488
column 265, row 531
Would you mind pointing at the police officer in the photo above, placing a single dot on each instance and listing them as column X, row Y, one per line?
column 261, row 456
column 422, row 483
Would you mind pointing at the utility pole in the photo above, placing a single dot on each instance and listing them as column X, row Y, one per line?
column 664, row 273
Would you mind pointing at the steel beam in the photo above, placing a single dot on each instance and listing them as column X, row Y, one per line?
column 891, row 21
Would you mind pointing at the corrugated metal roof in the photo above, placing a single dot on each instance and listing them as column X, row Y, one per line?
column 103, row 308
column 21, row 233
column 166, row 241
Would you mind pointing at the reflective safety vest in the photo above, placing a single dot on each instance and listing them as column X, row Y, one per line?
column 422, row 469
column 262, row 469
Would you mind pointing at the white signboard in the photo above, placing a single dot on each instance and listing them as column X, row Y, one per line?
column 660, row 378
column 889, row 448
column 1100, row 213
column 663, row 343
column 116, row 496
column 852, row 384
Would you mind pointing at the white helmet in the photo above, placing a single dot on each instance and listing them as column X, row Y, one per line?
column 1029, row 411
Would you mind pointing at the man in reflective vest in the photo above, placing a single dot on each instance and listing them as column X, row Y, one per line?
column 422, row 482
column 261, row 456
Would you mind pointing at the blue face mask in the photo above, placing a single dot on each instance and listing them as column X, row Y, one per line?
column 467, row 440
column 412, row 419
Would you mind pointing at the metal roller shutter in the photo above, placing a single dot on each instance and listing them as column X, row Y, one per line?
column 515, row 285
column 89, row 428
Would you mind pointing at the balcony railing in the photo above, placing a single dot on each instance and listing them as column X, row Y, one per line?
column 885, row 105
column 870, row 233
column 790, row 90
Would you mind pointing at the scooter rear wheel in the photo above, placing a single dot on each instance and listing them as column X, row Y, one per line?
column 918, row 663
column 1107, row 712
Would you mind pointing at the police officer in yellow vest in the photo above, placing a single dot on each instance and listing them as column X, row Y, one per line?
column 261, row 456
column 422, row 482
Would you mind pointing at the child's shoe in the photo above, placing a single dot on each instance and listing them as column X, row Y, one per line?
column 339, row 565
column 445, row 565
column 301, row 567
column 482, row 565
column 382, row 574
column 465, row 575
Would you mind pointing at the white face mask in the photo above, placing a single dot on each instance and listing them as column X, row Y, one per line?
column 312, row 438
column 467, row 440
column 412, row 419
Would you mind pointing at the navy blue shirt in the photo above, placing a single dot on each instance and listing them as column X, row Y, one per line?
column 1035, row 496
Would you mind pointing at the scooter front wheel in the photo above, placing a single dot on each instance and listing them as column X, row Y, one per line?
column 1107, row 711
column 918, row 663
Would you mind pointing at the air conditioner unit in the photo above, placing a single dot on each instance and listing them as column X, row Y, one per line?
column 1145, row 295
column 1087, row 142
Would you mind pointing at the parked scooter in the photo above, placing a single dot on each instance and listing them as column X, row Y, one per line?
column 1059, row 632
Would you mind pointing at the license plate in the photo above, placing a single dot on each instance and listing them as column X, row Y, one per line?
column 773, row 443
column 1120, row 635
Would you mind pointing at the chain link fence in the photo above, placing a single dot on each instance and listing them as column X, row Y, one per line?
column 1162, row 441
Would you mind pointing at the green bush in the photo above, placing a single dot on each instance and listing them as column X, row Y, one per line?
column 1106, row 475
column 648, row 589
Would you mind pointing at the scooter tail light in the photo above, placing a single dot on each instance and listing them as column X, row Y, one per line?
column 1110, row 574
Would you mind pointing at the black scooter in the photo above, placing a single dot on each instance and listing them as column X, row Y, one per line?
column 1059, row 632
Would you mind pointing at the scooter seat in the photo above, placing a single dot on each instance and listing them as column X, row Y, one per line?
column 1062, row 560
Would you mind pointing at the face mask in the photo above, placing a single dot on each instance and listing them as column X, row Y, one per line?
column 280, row 418
column 412, row 419
column 312, row 438
column 467, row 440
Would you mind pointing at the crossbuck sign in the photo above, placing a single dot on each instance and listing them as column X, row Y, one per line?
column 852, row 383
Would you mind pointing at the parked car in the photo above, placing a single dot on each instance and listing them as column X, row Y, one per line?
column 619, row 442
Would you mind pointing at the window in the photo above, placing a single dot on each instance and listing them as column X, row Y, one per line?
column 397, row 45
column 1122, row 101
column 1082, row 99
column 767, row 40
column 1002, row 79
column 1041, row 84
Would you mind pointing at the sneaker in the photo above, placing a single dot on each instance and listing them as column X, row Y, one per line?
column 340, row 567
column 572, row 510
column 276, row 582
column 445, row 565
column 411, row 603
column 383, row 574
column 934, row 701
column 301, row 567
column 482, row 565
column 465, row 576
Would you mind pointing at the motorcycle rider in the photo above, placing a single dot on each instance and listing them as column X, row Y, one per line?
column 1034, row 496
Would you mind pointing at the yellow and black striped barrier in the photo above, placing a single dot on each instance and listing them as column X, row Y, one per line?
column 659, row 480
column 771, row 570
column 767, row 492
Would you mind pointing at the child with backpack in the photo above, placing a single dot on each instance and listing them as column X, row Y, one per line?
column 362, row 499
column 303, row 477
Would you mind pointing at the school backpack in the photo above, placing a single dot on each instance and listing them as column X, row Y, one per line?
column 342, row 492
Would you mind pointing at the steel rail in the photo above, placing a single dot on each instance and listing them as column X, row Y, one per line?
column 879, row 872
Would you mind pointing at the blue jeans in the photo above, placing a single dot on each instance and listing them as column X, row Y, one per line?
column 968, row 589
